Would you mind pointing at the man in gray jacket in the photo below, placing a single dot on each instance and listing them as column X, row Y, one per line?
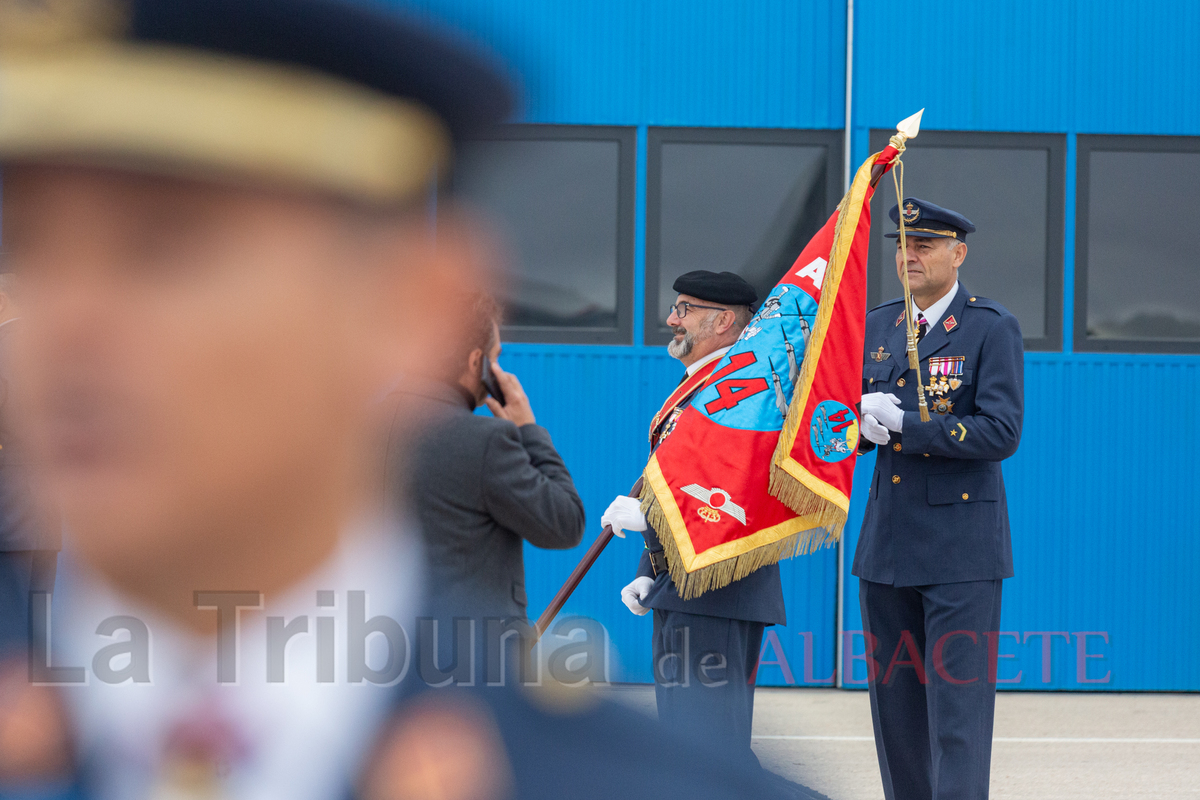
column 482, row 486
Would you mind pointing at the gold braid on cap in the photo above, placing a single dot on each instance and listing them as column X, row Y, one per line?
column 31, row 24
column 71, row 89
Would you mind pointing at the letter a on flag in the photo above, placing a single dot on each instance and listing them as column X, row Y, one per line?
column 760, row 464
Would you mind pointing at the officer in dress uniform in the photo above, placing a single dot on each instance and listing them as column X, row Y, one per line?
column 706, row 649
column 935, row 543
column 218, row 213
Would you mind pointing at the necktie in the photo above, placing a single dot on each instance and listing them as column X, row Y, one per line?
column 922, row 327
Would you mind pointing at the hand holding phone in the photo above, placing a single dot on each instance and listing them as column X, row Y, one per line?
column 508, row 399
column 490, row 383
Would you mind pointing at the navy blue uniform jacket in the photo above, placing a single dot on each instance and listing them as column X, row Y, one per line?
column 937, row 511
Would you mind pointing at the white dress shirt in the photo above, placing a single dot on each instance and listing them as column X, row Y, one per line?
column 713, row 356
column 304, row 739
column 935, row 313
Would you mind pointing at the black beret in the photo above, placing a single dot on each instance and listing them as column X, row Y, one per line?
column 333, row 95
column 922, row 218
column 725, row 288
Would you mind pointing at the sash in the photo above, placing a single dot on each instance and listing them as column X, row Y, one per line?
column 664, row 421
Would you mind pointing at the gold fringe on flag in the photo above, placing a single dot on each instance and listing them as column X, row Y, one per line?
column 719, row 575
column 726, row 563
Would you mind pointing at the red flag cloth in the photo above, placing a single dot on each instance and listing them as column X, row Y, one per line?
column 759, row 465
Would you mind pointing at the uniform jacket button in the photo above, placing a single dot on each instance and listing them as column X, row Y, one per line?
column 895, row 479
column 900, row 382
column 896, row 447
column 966, row 496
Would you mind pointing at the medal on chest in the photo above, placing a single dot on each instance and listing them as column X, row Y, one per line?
column 945, row 376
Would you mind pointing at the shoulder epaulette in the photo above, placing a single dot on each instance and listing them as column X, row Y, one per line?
column 975, row 301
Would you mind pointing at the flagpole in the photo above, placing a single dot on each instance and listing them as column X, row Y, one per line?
column 906, row 130
column 581, row 569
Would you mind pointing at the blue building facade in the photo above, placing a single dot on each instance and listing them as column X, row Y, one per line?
column 1067, row 123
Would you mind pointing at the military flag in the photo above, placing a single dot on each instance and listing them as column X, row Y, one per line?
column 759, row 466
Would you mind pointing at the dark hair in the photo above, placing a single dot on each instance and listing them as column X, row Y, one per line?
column 485, row 315
column 742, row 315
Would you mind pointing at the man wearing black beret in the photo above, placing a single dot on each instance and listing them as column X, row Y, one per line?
column 217, row 212
column 706, row 649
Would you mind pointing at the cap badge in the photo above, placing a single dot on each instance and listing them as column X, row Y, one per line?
column 43, row 23
column 911, row 214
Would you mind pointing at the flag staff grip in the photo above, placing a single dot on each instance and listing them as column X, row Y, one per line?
column 581, row 569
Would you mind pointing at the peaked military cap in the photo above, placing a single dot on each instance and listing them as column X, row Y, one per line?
column 922, row 218
column 325, row 94
column 716, row 287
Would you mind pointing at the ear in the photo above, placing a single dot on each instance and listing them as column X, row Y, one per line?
column 960, row 254
column 475, row 362
column 728, row 320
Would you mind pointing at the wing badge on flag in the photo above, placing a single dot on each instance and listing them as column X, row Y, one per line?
column 718, row 500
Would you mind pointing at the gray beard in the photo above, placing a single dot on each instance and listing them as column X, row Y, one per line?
column 682, row 348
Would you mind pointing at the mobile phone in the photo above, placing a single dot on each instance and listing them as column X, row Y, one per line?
column 490, row 383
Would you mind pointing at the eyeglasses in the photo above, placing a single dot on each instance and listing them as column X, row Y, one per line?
column 681, row 308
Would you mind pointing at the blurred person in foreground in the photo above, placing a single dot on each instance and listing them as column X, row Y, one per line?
column 29, row 539
column 482, row 486
column 216, row 209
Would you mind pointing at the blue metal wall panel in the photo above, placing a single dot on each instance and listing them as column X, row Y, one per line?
column 1088, row 66
column 1104, row 517
column 768, row 63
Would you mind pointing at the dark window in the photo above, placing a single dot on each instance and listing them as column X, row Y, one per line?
column 562, row 197
column 746, row 201
column 1137, row 281
column 1011, row 186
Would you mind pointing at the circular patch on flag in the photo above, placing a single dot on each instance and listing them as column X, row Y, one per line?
column 833, row 431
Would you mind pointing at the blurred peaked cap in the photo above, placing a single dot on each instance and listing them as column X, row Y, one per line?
column 716, row 287
column 331, row 94
column 922, row 218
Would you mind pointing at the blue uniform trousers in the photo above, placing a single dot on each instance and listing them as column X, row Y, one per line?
column 704, row 670
column 933, row 716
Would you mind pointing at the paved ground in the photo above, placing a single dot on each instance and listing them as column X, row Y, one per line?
column 1050, row 746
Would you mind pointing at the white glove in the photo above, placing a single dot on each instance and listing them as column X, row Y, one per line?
column 634, row 593
column 624, row 514
column 873, row 432
column 885, row 409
